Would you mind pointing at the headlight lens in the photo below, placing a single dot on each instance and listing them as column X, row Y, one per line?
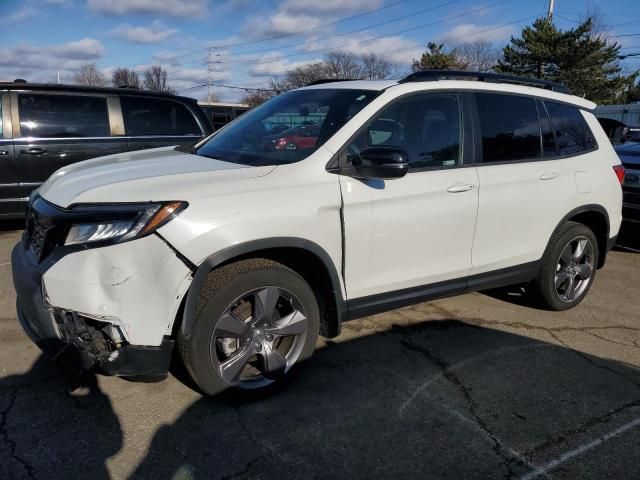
column 146, row 221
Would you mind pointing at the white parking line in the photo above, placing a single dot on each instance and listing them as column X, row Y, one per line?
column 543, row 469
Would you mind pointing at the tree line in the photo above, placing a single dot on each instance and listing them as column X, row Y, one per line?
column 583, row 58
column 153, row 78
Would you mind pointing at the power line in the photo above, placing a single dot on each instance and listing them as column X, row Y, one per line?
column 627, row 55
column 375, row 25
column 237, row 87
column 386, row 54
column 271, row 49
column 293, row 34
column 497, row 27
column 368, row 40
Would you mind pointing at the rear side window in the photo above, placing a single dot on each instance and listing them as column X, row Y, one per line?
column 157, row 116
column 509, row 127
column 48, row 116
column 570, row 129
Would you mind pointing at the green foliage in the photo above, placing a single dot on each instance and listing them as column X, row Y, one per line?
column 580, row 58
column 436, row 58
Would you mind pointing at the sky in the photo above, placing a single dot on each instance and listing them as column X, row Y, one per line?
column 246, row 42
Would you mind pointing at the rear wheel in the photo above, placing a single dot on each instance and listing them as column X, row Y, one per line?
column 255, row 320
column 568, row 267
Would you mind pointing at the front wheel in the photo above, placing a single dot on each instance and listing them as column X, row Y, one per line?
column 255, row 320
column 568, row 267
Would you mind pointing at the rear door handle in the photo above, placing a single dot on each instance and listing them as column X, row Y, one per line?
column 34, row 151
column 4, row 153
column 548, row 175
column 461, row 187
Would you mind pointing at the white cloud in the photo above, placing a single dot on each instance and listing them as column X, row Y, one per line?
column 281, row 23
column 274, row 64
column 328, row 7
column 41, row 63
column 154, row 33
column 393, row 48
column 172, row 8
column 296, row 15
column 20, row 15
column 469, row 32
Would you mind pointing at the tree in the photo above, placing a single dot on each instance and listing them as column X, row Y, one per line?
column 336, row 65
column 155, row 79
column 89, row 76
column 124, row 77
column 436, row 58
column 479, row 56
column 253, row 98
column 342, row 65
column 375, row 67
column 581, row 58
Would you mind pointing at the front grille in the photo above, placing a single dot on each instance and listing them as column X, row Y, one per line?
column 42, row 234
column 36, row 233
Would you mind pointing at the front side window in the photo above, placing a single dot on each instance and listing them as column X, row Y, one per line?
column 509, row 127
column 157, row 116
column 287, row 128
column 427, row 127
column 50, row 116
column 571, row 130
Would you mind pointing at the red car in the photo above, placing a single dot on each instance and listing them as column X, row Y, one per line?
column 303, row 136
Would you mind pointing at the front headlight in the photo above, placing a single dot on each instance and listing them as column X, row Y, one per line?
column 135, row 224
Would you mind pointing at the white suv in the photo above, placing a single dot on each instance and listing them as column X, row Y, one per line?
column 327, row 203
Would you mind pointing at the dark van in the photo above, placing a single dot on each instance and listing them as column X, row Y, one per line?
column 44, row 127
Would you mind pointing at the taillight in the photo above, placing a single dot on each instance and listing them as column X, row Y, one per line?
column 619, row 169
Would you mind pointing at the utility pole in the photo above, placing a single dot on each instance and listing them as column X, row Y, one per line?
column 210, row 68
column 550, row 11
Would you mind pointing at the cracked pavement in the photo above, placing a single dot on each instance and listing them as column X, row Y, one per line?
column 477, row 386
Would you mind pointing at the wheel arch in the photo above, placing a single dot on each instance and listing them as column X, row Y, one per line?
column 597, row 219
column 305, row 257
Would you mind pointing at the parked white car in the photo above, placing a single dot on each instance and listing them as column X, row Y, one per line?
column 242, row 253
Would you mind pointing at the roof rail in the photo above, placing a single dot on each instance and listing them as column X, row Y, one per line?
column 433, row 75
column 330, row 80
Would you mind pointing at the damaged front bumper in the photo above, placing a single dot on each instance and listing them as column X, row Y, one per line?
column 76, row 340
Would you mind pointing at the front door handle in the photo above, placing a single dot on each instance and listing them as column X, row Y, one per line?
column 548, row 175
column 34, row 151
column 461, row 187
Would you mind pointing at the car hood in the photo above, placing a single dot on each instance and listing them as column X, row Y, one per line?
column 145, row 175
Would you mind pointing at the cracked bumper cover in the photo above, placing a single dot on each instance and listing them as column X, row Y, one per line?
column 81, row 340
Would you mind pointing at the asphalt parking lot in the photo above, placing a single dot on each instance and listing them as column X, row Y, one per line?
column 478, row 386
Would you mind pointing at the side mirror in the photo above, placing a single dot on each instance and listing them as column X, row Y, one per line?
column 381, row 162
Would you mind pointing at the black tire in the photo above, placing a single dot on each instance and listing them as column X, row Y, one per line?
column 224, row 288
column 553, row 291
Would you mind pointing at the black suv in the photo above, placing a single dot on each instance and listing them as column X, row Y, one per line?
column 44, row 127
column 629, row 154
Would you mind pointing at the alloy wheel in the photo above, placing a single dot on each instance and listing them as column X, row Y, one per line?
column 574, row 269
column 259, row 337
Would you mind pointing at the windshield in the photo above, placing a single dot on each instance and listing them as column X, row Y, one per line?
column 287, row 128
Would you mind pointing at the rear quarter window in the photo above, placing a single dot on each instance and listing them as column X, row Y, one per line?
column 570, row 129
column 157, row 116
